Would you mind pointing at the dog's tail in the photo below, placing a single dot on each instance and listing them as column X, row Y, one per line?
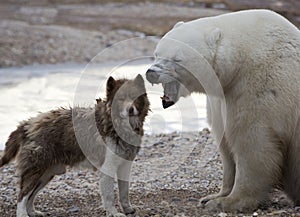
column 13, row 145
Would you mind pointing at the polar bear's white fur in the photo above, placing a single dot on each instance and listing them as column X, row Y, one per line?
column 255, row 55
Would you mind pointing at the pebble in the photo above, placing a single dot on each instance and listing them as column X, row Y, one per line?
column 164, row 203
column 192, row 199
column 222, row 214
column 74, row 209
column 176, row 199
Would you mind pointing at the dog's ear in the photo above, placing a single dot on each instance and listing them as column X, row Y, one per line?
column 139, row 81
column 110, row 85
column 98, row 100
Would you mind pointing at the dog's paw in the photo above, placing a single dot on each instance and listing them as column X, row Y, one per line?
column 129, row 210
column 117, row 215
column 36, row 214
column 22, row 215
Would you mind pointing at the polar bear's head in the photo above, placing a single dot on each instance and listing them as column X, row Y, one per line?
column 181, row 54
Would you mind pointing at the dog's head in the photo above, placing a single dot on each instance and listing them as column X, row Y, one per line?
column 127, row 98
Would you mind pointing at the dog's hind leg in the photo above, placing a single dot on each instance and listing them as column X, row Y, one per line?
column 44, row 179
column 29, row 179
column 30, row 184
column 21, row 207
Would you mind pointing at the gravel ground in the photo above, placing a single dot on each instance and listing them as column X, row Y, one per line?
column 171, row 173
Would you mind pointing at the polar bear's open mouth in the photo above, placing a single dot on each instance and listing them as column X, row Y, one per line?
column 166, row 102
column 170, row 94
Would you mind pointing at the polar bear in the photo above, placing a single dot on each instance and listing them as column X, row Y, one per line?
column 255, row 56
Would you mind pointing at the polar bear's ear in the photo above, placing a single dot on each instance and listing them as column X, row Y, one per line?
column 214, row 37
column 178, row 24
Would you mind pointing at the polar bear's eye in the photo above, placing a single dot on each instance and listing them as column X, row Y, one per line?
column 177, row 60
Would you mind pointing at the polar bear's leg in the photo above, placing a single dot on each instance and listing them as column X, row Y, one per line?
column 228, row 174
column 258, row 167
column 291, row 179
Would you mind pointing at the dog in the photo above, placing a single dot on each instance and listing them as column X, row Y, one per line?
column 106, row 137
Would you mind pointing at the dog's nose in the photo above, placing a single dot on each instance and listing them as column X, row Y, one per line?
column 131, row 111
column 152, row 76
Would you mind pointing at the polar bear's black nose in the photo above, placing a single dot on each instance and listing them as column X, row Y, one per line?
column 152, row 76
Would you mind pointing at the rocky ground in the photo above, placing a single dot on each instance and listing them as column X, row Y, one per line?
column 171, row 173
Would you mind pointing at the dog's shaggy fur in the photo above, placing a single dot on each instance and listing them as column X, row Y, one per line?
column 46, row 144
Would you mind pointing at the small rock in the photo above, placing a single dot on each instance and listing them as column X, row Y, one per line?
column 164, row 203
column 176, row 199
column 192, row 199
column 74, row 209
column 255, row 214
column 222, row 214
column 69, row 201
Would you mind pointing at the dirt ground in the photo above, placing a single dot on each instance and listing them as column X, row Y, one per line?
column 59, row 31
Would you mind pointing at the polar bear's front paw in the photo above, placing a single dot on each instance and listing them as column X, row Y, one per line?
column 213, row 205
column 203, row 201
column 231, row 204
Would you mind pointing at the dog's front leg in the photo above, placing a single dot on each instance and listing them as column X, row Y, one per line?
column 107, row 176
column 123, row 184
column 108, row 196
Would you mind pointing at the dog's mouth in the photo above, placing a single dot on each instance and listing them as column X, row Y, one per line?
column 170, row 94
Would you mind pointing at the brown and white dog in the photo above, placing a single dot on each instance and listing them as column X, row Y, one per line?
column 106, row 137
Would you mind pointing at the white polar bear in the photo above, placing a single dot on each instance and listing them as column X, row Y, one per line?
column 255, row 56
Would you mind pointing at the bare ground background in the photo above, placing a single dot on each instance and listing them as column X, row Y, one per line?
column 59, row 31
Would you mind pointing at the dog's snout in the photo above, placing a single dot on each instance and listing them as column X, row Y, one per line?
column 152, row 76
